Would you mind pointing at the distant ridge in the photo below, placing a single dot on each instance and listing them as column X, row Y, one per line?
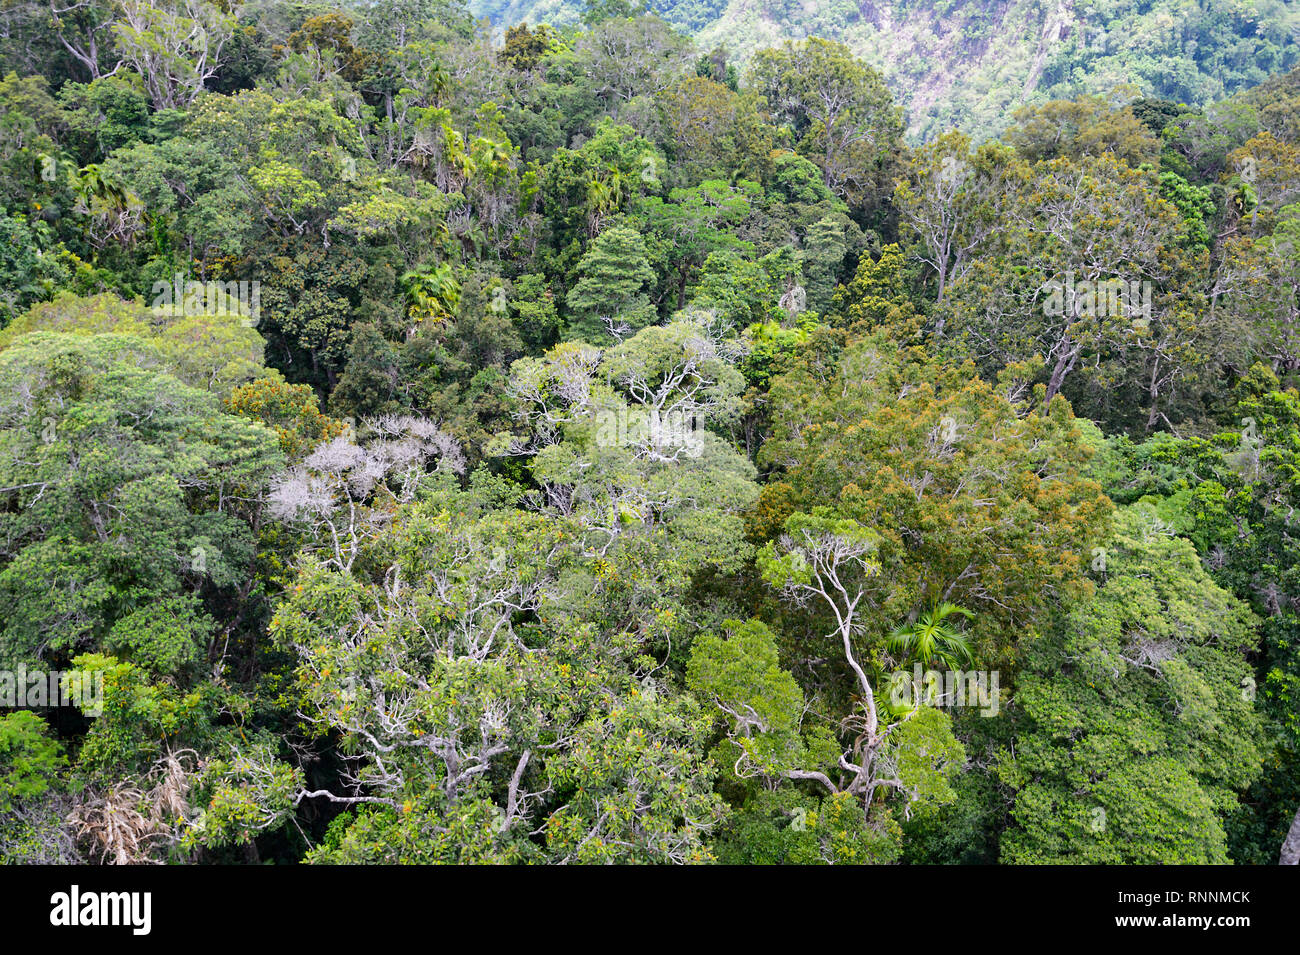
column 971, row 63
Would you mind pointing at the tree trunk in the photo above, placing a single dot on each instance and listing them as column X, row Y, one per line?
column 1064, row 365
column 1291, row 847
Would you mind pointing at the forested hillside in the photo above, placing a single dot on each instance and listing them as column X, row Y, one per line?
column 969, row 64
column 422, row 445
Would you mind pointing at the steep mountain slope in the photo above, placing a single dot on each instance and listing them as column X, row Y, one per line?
column 969, row 63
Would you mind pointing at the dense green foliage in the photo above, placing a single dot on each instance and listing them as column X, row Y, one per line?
column 425, row 445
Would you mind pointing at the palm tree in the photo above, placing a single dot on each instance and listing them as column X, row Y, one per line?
column 432, row 293
column 92, row 183
column 491, row 160
column 605, row 196
column 933, row 637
